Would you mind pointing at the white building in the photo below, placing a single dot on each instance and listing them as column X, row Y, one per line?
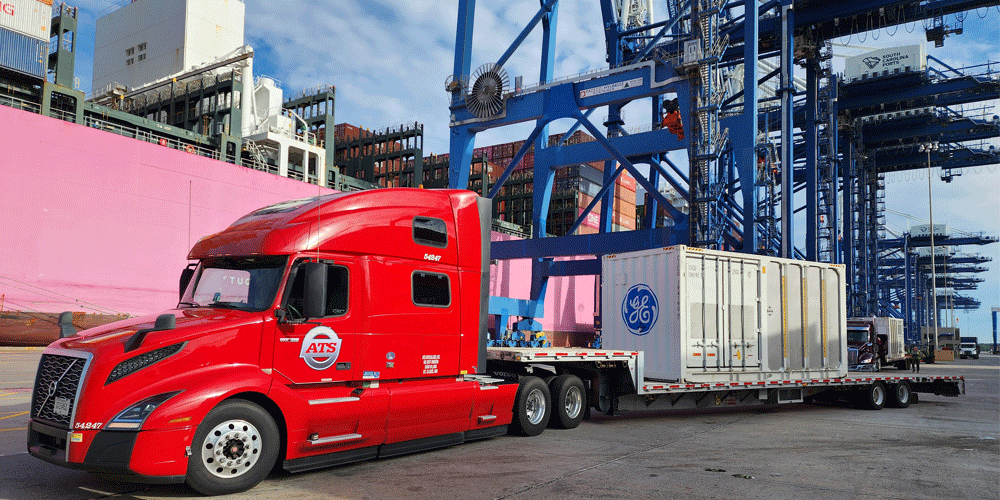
column 272, row 135
column 148, row 40
column 144, row 43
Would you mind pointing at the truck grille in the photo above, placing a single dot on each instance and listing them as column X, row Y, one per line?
column 852, row 356
column 56, row 385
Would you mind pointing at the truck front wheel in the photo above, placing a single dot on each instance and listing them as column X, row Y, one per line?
column 568, row 401
column 532, row 407
column 234, row 448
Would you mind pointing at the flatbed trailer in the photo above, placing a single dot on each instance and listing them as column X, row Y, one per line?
column 614, row 382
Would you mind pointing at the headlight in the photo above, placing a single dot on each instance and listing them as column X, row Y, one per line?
column 133, row 416
column 141, row 361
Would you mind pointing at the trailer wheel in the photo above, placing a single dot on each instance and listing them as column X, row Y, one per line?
column 234, row 448
column 899, row 395
column 873, row 396
column 532, row 407
column 568, row 401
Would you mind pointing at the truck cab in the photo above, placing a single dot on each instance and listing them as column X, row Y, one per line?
column 969, row 350
column 863, row 351
column 315, row 332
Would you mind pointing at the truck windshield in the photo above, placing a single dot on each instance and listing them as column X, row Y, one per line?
column 244, row 283
column 857, row 335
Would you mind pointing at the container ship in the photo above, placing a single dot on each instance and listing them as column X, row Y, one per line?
column 107, row 192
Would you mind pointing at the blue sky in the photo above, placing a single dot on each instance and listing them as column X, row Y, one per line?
column 389, row 61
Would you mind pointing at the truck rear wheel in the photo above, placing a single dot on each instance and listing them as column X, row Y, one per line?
column 568, row 401
column 532, row 408
column 899, row 395
column 873, row 397
column 233, row 450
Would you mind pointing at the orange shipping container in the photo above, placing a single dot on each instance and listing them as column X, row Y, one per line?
column 624, row 195
column 628, row 222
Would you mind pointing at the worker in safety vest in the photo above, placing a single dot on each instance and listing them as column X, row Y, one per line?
column 672, row 118
column 915, row 356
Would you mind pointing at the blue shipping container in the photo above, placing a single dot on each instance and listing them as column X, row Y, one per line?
column 23, row 53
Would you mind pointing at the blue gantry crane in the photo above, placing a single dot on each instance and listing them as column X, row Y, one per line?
column 761, row 144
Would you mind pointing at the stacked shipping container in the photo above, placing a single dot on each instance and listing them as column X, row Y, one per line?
column 572, row 192
column 24, row 35
column 380, row 157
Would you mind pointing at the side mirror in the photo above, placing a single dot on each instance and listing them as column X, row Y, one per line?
column 186, row 276
column 66, row 328
column 314, row 305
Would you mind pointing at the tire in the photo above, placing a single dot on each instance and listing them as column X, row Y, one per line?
column 569, row 401
column 247, row 433
column 873, row 397
column 532, row 407
column 900, row 395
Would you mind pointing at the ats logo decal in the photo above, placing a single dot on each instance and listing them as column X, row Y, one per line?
column 640, row 309
column 320, row 348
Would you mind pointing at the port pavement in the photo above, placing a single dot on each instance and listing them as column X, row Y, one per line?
column 940, row 448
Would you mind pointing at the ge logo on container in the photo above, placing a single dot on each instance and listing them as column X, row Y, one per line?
column 640, row 309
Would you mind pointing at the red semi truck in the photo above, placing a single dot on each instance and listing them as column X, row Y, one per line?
column 340, row 328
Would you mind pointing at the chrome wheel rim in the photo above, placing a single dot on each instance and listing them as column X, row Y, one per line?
column 573, row 402
column 878, row 395
column 903, row 393
column 231, row 448
column 535, row 406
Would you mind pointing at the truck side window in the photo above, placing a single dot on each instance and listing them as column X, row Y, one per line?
column 337, row 286
column 430, row 232
column 431, row 289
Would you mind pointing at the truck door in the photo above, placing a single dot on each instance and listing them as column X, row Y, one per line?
column 319, row 360
column 322, row 350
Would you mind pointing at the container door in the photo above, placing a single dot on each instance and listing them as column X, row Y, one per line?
column 705, row 342
column 743, row 306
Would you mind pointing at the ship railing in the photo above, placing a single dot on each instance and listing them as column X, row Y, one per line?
column 311, row 92
column 147, row 136
column 21, row 104
column 66, row 116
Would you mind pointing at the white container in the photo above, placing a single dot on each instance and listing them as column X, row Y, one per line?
column 28, row 17
column 892, row 328
column 711, row 316
column 891, row 331
column 924, row 231
column 939, row 251
column 886, row 62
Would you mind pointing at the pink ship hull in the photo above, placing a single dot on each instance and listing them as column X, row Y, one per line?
column 99, row 223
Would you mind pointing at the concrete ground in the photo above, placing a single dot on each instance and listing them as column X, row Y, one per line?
column 940, row 448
